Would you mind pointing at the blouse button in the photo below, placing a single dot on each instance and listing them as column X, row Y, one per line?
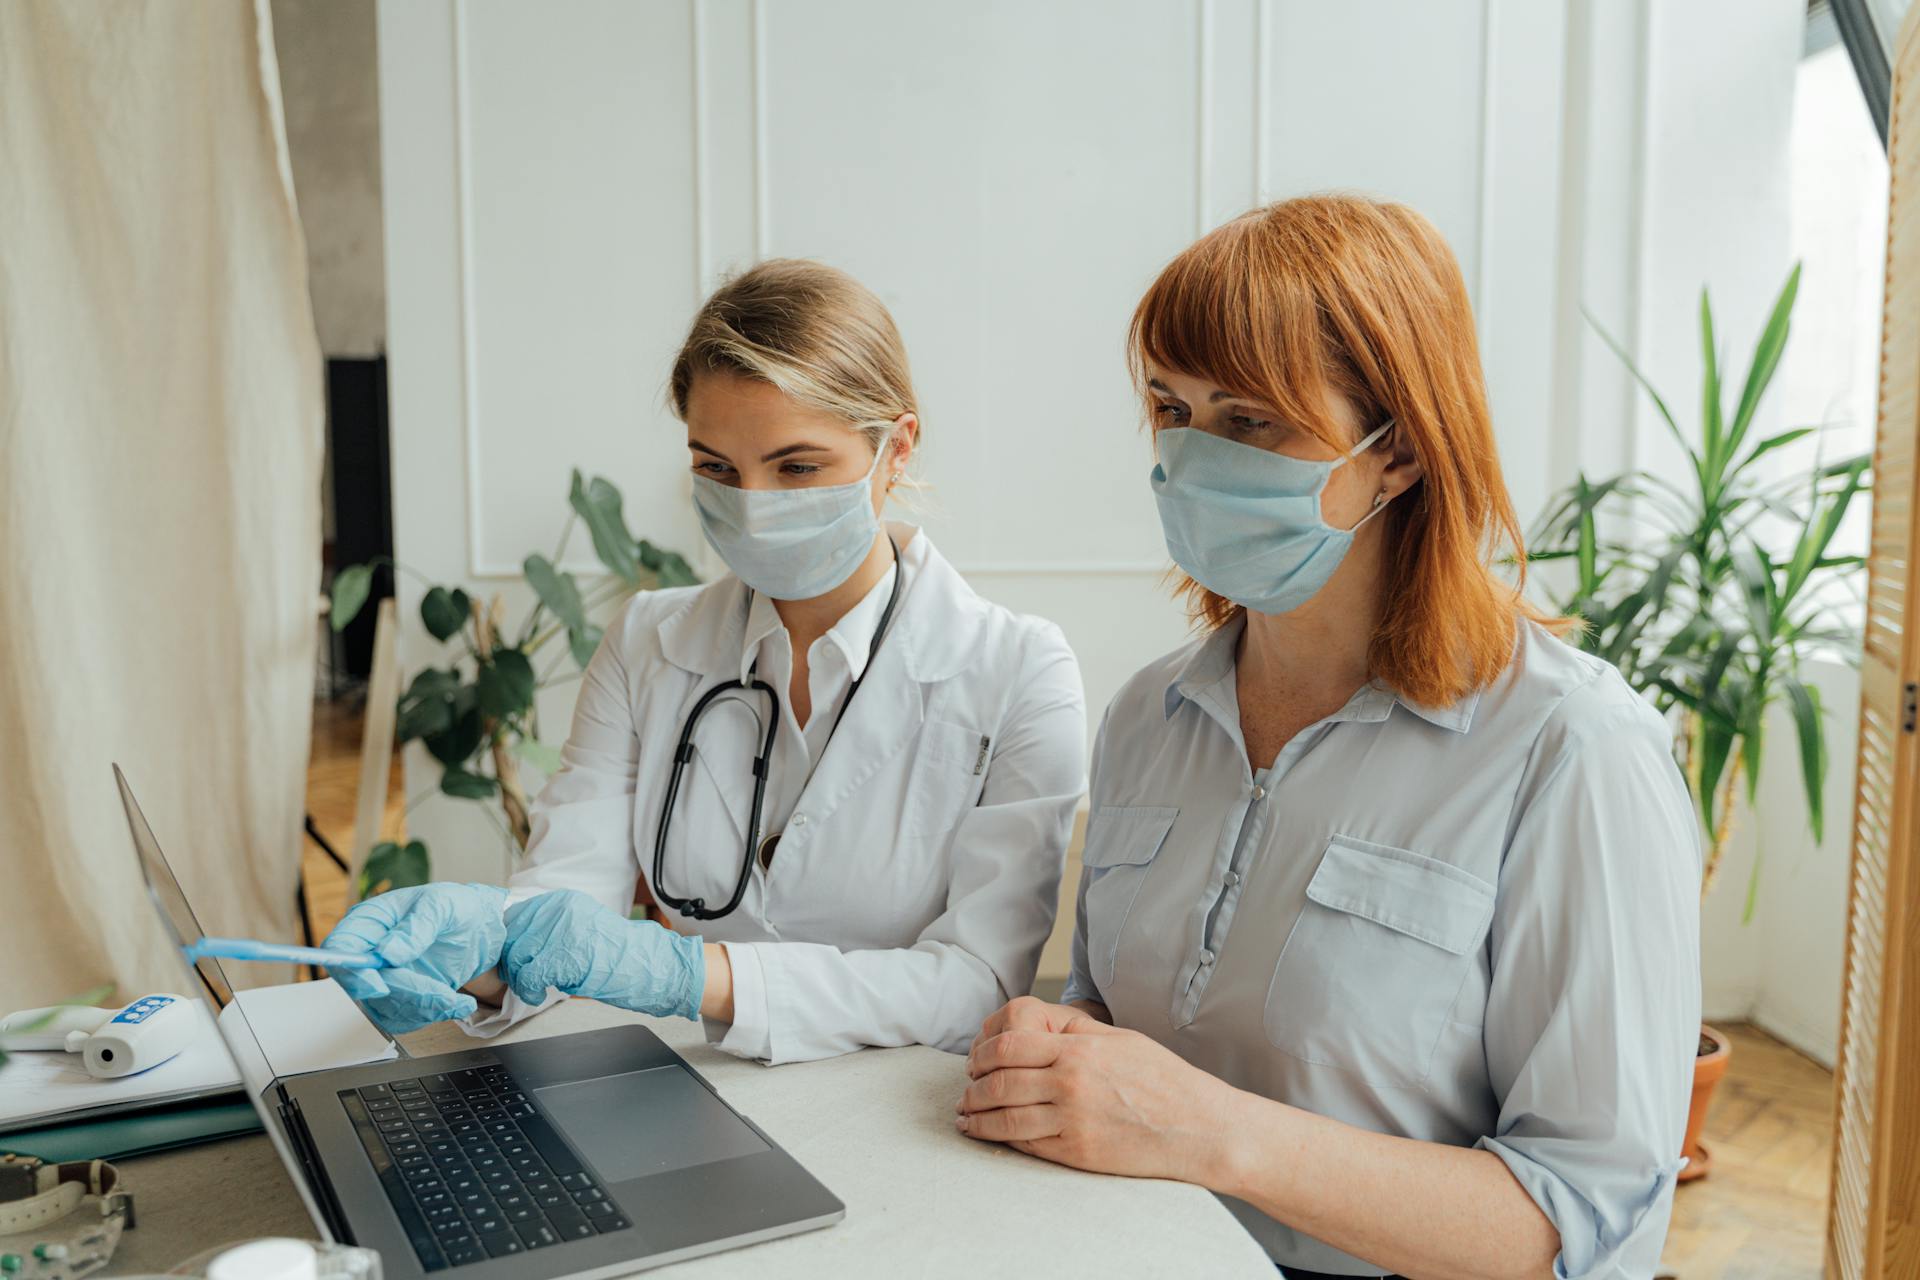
column 1206, row 957
column 799, row 819
column 1259, row 792
column 1230, row 879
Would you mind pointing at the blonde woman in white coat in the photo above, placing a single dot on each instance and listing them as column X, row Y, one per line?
column 897, row 876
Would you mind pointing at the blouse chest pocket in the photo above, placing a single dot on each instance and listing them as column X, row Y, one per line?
column 949, row 769
column 1368, row 979
column 1122, row 841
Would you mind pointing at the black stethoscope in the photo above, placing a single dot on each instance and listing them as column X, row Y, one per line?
column 697, row 907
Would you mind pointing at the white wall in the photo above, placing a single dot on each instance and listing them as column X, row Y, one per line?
column 565, row 182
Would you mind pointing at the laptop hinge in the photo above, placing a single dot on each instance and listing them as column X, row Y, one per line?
column 301, row 1141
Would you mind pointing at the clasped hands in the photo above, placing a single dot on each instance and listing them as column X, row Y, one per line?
column 1058, row 1083
column 438, row 938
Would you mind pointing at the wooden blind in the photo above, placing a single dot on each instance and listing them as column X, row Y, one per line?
column 1873, row 1227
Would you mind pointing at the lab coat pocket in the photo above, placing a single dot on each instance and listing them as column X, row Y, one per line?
column 1122, row 841
column 1368, row 978
column 948, row 769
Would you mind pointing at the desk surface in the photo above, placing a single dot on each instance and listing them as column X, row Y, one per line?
column 876, row 1127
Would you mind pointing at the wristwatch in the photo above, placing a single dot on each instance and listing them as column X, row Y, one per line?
column 34, row 1193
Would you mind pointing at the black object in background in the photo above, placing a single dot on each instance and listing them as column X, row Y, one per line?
column 362, row 491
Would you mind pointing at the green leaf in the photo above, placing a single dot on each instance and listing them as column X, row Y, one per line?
column 445, row 612
column 1804, row 700
column 1766, row 359
column 669, row 568
column 465, row 730
column 351, row 587
column 426, row 707
column 584, row 643
column 1711, row 427
column 538, row 754
column 1666, row 415
column 456, row 781
column 599, row 506
column 1715, row 745
column 558, row 591
column 394, row 866
column 506, row 684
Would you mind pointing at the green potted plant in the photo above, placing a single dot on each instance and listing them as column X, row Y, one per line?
column 478, row 715
column 1710, row 593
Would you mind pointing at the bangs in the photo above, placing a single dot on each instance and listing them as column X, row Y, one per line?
column 1220, row 313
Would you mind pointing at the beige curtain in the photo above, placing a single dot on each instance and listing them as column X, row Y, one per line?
column 160, row 439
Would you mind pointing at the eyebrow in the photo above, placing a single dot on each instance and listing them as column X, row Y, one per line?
column 783, row 452
column 1157, row 385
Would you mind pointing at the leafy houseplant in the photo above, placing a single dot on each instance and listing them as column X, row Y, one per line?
column 1710, row 593
column 477, row 715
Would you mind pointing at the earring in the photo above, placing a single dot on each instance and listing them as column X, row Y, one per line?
column 1380, row 498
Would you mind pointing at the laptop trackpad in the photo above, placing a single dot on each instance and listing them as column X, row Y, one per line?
column 647, row 1122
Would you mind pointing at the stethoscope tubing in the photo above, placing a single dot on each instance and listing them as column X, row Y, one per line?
column 697, row 908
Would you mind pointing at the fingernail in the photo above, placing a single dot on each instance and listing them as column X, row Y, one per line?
column 960, row 1123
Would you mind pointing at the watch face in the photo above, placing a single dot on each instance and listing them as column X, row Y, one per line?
column 17, row 1177
column 767, row 847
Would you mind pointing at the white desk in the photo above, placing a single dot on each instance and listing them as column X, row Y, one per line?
column 876, row 1127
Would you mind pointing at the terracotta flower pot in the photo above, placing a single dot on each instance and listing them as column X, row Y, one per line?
column 1708, row 1067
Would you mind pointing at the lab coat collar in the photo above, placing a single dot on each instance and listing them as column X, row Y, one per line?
column 852, row 635
column 935, row 624
column 1206, row 676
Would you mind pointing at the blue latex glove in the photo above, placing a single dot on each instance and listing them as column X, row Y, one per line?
column 435, row 938
column 568, row 942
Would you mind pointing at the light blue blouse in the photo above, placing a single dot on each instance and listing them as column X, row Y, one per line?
column 1475, row 924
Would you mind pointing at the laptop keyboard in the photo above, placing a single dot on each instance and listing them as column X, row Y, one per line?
column 473, row 1170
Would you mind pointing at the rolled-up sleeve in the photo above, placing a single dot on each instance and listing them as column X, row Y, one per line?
column 812, row 1000
column 1593, row 1013
column 582, row 822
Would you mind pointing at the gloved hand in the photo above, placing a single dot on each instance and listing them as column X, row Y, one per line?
column 567, row 941
column 435, row 939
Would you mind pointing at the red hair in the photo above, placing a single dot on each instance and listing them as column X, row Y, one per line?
column 1336, row 293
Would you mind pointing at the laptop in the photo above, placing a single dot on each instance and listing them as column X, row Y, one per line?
column 594, row 1154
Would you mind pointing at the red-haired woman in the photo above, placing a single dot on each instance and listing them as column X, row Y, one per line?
column 1388, row 927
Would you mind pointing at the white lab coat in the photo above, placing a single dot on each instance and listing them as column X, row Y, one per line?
column 918, row 879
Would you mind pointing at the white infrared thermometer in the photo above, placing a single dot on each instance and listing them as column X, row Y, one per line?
column 111, row 1042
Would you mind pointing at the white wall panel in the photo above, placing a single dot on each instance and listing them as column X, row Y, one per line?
column 564, row 181
column 577, row 220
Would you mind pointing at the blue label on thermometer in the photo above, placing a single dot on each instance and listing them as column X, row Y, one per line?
column 141, row 1010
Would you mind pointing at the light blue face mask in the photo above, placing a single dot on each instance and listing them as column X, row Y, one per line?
column 791, row 544
column 1245, row 522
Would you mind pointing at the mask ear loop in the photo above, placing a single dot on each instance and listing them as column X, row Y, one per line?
column 1380, row 498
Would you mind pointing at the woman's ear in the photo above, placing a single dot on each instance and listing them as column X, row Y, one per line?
column 1403, row 469
column 901, row 444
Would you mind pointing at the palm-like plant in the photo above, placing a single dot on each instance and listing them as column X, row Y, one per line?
column 1709, row 592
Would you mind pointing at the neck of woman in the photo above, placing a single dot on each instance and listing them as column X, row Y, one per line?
column 1315, row 655
column 808, row 620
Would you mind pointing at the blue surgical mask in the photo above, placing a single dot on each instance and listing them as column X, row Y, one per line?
column 791, row 544
column 1245, row 522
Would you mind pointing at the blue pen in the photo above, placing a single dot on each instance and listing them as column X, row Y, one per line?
column 280, row 952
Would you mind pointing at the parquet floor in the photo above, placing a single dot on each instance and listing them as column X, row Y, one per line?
column 1760, row 1215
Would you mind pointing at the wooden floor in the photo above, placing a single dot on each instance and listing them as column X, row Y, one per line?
column 1759, row 1216
column 1761, row 1213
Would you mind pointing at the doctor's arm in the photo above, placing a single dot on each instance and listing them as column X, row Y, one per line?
column 792, row 1001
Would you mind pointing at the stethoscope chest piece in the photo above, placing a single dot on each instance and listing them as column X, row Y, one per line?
column 767, row 847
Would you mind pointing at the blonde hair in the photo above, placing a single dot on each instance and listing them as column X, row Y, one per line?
column 813, row 332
